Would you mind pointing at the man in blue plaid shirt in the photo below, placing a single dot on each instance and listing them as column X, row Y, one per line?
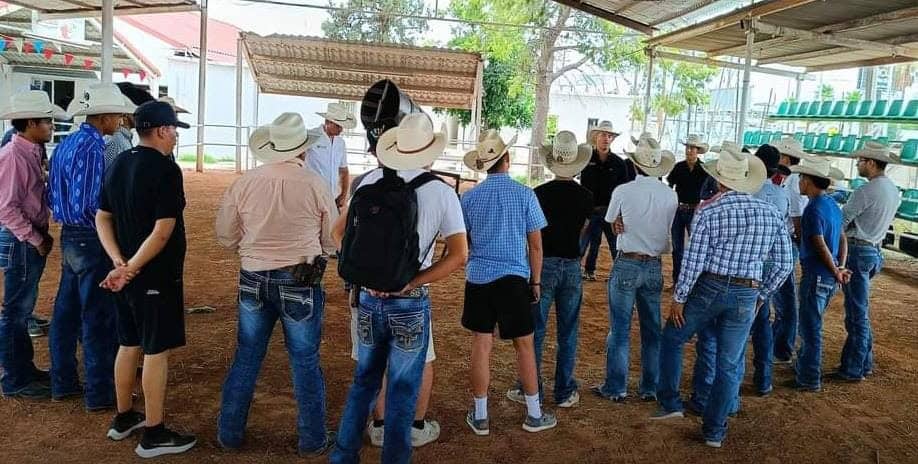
column 722, row 282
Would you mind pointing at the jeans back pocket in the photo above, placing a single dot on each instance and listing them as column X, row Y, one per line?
column 249, row 294
column 7, row 249
column 296, row 302
column 407, row 330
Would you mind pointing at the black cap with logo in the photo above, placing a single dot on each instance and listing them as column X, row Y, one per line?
column 156, row 114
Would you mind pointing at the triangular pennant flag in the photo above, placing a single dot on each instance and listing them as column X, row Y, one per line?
column 126, row 72
column 38, row 45
column 18, row 44
column 48, row 53
column 27, row 47
column 87, row 63
column 68, row 58
column 143, row 75
column 2, row 44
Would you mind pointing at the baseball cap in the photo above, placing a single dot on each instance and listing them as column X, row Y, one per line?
column 771, row 157
column 156, row 114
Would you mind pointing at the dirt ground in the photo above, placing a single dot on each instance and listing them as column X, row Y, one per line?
column 875, row 421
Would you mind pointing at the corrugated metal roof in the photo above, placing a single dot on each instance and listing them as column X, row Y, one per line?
column 51, row 8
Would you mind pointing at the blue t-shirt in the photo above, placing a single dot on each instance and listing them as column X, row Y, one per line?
column 822, row 216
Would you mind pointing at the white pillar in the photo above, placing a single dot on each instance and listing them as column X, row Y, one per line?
column 747, row 69
column 647, row 91
column 202, row 86
column 239, row 105
column 108, row 43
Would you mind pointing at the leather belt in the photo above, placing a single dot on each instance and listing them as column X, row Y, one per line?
column 741, row 281
column 419, row 292
column 857, row 241
column 688, row 205
column 637, row 256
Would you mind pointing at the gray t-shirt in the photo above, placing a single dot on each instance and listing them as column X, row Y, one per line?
column 871, row 209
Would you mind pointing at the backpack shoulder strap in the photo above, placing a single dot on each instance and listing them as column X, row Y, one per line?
column 422, row 179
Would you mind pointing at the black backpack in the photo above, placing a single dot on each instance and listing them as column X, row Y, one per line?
column 381, row 244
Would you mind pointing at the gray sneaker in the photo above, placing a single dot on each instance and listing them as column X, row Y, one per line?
column 547, row 421
column 481, row 427
column 663, row 414
column 516, row 395
column 430, row 433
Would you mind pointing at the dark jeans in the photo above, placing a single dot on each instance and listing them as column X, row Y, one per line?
column 784, row 327
column 265, row 297
column 22, row 269
column 83, row 312
column 865, row 262
column 815, row 293
column 590, row 243
column 562, row 286
column 682, row 225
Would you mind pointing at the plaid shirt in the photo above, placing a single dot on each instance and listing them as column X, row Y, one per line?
column 734, row 236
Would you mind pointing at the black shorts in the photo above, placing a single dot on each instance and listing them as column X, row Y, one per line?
column 151, row 315
column 506, row 302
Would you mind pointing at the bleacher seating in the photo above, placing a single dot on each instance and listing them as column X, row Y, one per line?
column 900, row 111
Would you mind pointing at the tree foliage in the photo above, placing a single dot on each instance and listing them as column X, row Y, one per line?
column 376, row 21
column 678, row 86
column 503, row 104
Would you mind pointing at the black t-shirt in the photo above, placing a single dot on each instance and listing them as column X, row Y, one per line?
column 566, row 205
column 141, row 187
column 602, row 177
column 687, row 182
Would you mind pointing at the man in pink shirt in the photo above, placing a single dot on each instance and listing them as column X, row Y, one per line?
column 24, row 239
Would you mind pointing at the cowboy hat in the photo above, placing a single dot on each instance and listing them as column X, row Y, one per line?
column 695, row 141
column 137, row 95
column 102, row 99
column 818, row 166
column 338, row 114
column 877, row 151
column 737, row 170
column 412, row 144
column 32, row 104
column 284, row 139
column 790, row 146
column 564, row 157
column 652, row 160
column 772, row 160
column 171, row 101
column 604, row 126
column 489, row 151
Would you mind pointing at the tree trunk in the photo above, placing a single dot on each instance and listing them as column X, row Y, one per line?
column 539, row 120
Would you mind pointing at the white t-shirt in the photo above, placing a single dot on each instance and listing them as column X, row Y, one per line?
column 439, row 211
column 798, row 202
column 647, row 208
column 325, row 158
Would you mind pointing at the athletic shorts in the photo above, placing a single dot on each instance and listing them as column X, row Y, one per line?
column 431, row 354
column 151, row 315
column 505, row 302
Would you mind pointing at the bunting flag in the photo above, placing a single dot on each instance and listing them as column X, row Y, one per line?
column 87, row 63
column 27, row 47
column 143, row 75
column 48, row 53
column 38, row 45
column 2, row 44
column 68, row 58
column 126, row 72
column 18, row 44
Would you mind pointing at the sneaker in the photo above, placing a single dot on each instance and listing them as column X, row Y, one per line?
column 430, row 433
column 648, row 397
column 714, row 443
column 837, row 376
column 663, row 414
column 123, row 425
column 35, row 330
column 41, row 375
column 765, row 393
column 533, row 424
column 481, row 427
column 571, row 401
column 597, row 390
column 590, row 276
column 376, row 434
column 35, row 390
column 43, row 323
column 782, row 362
column 75, row 393
column 516, row 395
column 330, row 438
column 166, row 441
column 792, row 383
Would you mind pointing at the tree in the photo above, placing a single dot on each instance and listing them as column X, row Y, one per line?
column 376, row 21
column 503, row 103
column 679, row 86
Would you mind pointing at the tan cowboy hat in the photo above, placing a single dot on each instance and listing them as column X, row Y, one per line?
column 727, row 145
column 694, row 140
column 284, row 139
column 171, row 101
column 102, row 99
column 877, row 151
column 564, row 157
column 412, row 144
column 652, row 160
column 338, row 114
column 32, row 104
column 739, row 171
column 791, row 147
column 489, row 151
column 604, row 126
column 818, row 166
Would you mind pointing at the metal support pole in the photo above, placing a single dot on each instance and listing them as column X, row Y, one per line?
column 747, row 66
column 108, row 43
column 647, row 90
column 799, row 89
column 479, row 99
column 202, row 86
column 239, row 105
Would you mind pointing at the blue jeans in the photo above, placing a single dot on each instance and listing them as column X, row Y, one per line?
column 589, row 244
column 864, row 261
column 784, row 327
column 705, row 369
column 562, row 285
column 682, row 225
column 729, row 309
column 22, row 269
column 265, row 297
column 633, row 283
column 762, row 348
column 815, row 293
column 86, row 313
column 393, row 334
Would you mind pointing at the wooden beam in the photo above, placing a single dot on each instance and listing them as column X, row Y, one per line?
column 609, row 16
column 726, row 20
column 726, row 64
column 124, row 11
column 860, row 64
column 902, row 39
column 837, row 40
column 678, row 14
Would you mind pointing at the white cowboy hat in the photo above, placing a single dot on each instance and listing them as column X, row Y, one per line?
column 102, row 99
column 727, row 145
column 564, row 157
column 412, row 144
column 791, row 147
column 338, row 114
column 695, row 141
column 32, row 104
column 284, row 139
column 818, row 166
column 489, row 151
column 877, row 151
column 737, row 170
column 171, row 101
column 652, row 160
column 604, row 126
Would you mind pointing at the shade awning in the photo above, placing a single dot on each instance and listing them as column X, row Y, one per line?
column 50, row 9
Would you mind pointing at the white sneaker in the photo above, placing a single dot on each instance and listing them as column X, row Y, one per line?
column 421, row 437
column 376, row 434
column 714, row 444
column 516, row 395
column 571, row 401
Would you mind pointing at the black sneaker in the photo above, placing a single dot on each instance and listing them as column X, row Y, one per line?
column 162, row 442
column 35, row 390
column 123, row 425
column 43, row 323
column 35, row 330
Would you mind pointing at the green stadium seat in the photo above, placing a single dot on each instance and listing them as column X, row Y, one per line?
column 895, row 109
column 863, row 110
column 848, row 145
column 838, row 110
column 825, row 109
column 821, row 143
column 851, row 109
column 802, row 109
column 782, row 109
column 813, row 111
column 834, row 144
column 856, row 183
column 748, row 135
column 862, row 141
column 911, row 110
column 792, row 108
column 884, row 140
column 808, row 141
column 879, row 109
column 908, row 209
column 798, row 136
column 909, row 153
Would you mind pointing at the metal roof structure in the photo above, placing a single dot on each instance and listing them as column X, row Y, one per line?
column 50, row 9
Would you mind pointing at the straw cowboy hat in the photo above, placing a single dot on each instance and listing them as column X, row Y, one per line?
column 604, row 126
column 489, row 151
column 564, row 157
column 790, row 146
column 171, row 101
column 652, row 160
column 737, row 170
column 877, row 151
column 818, row 166
column 32, row 104
column 338, row 114
column 726, row 145
column 102, row 99
column 695, row 141
column 412, row 144
column 284, row 139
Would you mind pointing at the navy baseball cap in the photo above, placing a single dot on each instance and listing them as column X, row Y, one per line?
column 770, row 156
column 156, row 114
